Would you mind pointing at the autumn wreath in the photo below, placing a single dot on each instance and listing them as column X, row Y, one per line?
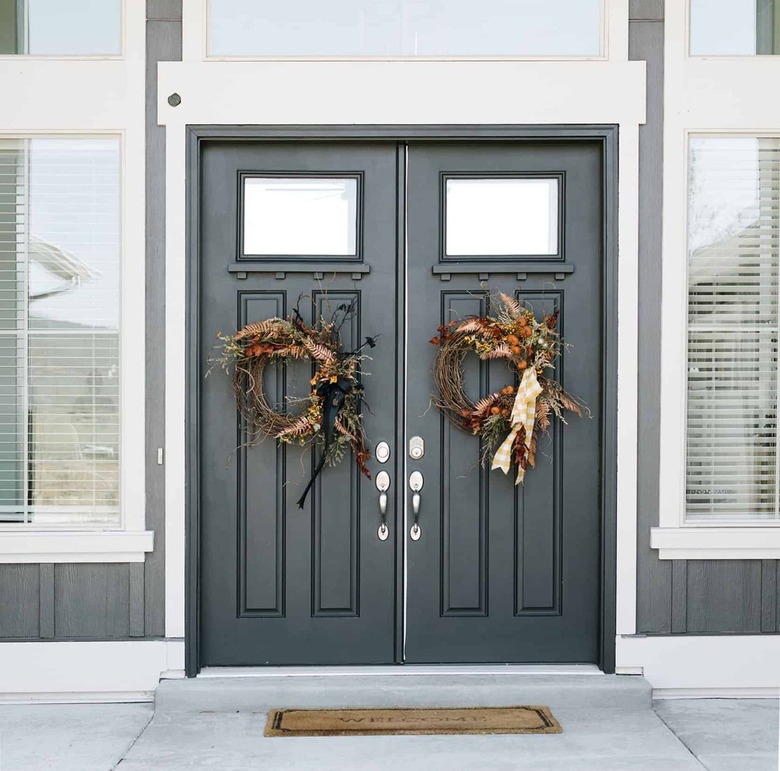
column 331, row 417
column 519, row 412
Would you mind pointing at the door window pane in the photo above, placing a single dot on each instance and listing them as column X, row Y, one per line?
column 735, row 27
column 299, row 216
column 59, row 331
column 733, row 261
column 501, row 217
column 405, row 28
column 58, row 28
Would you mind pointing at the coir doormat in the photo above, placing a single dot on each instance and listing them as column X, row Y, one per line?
column 383, row 722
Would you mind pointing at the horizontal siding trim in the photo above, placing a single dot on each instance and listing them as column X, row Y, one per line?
column 716, row 543
column 48, row 547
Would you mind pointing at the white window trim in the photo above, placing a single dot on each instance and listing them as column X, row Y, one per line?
column 614, row 41
column 702, row 96
column 73, row 96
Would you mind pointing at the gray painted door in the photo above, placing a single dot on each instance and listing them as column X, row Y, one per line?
column 500, row 573
column 280, row 585
column 505, row 573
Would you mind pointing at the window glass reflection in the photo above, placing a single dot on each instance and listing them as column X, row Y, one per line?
column 501, row 217
column 297, row 216
column 405, row 28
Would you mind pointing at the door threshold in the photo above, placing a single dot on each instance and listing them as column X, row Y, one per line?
column 396, row 670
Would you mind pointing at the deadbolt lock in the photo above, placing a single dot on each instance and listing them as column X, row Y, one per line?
column 416, row 447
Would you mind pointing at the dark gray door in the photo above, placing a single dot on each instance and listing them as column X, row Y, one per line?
column 500, row 573
column 280, row 585
column 504, row 573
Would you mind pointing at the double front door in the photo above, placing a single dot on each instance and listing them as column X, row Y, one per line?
column 413, row 235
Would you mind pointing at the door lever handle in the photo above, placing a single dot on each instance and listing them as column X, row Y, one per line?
column 383, row 484
column 416, row 483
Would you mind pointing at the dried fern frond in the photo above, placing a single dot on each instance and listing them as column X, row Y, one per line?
column 317, row 350
column 514, row 309
column 470, row 325
column 484, row 405
column 501, row 351
column 259, row 328
column 542, row 414
column 298, row 428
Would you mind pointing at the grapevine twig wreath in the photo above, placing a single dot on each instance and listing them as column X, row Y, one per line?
column 516, row 414
column 332, row 417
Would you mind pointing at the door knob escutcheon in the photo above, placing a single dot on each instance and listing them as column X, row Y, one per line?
column 416, row 482
column 383, row 484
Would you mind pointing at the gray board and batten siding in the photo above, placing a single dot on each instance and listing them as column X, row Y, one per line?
column 116, row 601
column 121, row 601
column 676, row 596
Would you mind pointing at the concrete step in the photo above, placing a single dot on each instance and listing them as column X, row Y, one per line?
column 448, row 688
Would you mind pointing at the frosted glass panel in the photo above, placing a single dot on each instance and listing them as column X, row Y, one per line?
column 735, row 27
column 405, row 28
column 59, row 28
column 297, row 216
column 495, row 217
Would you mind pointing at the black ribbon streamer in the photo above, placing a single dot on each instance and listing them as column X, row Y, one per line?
column 333, row 396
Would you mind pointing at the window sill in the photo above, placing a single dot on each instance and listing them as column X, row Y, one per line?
column 716, row 543
column 74, row 546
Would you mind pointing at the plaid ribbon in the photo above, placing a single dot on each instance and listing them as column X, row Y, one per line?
column 523, row 414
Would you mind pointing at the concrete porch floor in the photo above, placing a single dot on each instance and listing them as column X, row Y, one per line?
column 609, row 723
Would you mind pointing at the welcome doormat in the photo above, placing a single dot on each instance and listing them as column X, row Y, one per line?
column 384, row 722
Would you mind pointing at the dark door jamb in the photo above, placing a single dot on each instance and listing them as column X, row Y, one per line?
column 607, row 135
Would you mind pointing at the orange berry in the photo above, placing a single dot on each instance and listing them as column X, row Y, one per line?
column 495, row 410
column 513, row 339
column 528, row 332
column 516, row 349
column 522, row 364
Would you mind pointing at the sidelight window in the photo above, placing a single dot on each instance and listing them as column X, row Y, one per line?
column 734, row 27
column 405, row 28
column 733, row 322
column 57, row 28
column 59, row 331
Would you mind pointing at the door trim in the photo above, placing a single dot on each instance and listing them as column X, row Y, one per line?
column 607, row 135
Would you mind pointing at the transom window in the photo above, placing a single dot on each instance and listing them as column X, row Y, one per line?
column 61, row 27
column 735, row 27
column 59, row 331
column 733, row 324
column 413, row 28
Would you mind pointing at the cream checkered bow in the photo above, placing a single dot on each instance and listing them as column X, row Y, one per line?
column 523, row 414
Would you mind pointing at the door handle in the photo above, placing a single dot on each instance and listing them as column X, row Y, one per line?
column 383, row 484
column 416, row 482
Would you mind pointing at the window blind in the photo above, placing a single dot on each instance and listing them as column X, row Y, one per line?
column 59, row 331
column 734, row 239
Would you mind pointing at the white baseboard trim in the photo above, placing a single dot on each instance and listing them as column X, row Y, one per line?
column 58, row 672
column 720, row 666
column 716, row 693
